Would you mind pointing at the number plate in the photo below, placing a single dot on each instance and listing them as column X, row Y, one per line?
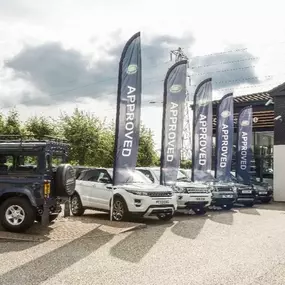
column 228, row 196
column 263, row 193
column 200, row 199
column 246, row 191
column 162, row 202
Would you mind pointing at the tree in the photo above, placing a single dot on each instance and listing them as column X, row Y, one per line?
column 186, row 164
column 11, row 125
column 147, row 155
column 91, row 140
column 105, row 151
column 82, row 130
column 40, row 127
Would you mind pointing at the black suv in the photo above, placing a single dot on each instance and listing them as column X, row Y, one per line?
column 34, row 179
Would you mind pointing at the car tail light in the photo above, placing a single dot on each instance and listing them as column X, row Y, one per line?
column 46, row 188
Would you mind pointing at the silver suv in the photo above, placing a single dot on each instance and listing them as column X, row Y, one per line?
column 190, row 196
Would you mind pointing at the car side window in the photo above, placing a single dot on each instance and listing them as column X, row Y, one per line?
column 104, row 177
column 91, row 175
column 93, row 178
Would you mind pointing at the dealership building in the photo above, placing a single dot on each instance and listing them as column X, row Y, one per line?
column 268, row 134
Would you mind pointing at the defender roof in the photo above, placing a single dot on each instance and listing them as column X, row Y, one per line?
column 17, row 142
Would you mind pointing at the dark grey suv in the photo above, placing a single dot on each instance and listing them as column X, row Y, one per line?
column 34, row 179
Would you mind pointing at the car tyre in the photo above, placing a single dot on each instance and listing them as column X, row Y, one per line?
column 200, row 211
column 120, row 210
column 65, row 180
column 17, row 214
column 266, row 201
column 76, row 206
column 165, row 217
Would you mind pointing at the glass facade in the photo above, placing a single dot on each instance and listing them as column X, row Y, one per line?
column 262, row 162
column 263, row 153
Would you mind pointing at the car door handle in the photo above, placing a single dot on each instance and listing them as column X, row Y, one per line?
column 109, row 187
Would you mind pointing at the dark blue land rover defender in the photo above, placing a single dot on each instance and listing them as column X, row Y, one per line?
column 34, row 179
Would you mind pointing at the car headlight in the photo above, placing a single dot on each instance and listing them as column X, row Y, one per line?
column 135, row 192
column 177, row 189
column 269, row 188
column 211, row 189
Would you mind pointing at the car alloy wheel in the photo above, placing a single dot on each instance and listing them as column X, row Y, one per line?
column 15, row 215
column 118, row 210
column 76, row 206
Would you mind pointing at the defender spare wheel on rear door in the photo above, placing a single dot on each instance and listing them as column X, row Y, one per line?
column 65, row 180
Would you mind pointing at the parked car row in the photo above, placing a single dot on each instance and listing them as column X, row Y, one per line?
column 36, row 179
column 142, row 195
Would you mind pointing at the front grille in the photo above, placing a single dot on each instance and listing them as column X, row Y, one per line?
column 223, row 201
column 224, row 189
column 240, row 195
column 160, row 194
column 195, row 190
column 244, row 188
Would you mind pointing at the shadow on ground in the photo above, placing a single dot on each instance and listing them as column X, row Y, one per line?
column 104, row 219
column 222, row 217
column 11, row 246
column 22, row 241
column 189, row 227
column 40, row 269
column 135, row 246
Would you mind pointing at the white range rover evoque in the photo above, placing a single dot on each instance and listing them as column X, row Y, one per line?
column 138, row 196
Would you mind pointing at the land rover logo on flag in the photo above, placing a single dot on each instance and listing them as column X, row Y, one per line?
column 203, row 102
column 175, row 88
column 225, row 114
column 132, row 69
column 244, row 123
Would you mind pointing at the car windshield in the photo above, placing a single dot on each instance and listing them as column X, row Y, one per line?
column 180, row 175
column 236, row 179
column 212, row 178
column 134, row 177
column 157, row 173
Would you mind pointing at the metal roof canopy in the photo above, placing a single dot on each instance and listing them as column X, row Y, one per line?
column 263, row 116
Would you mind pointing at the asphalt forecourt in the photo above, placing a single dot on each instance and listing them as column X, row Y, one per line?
column 70, row 228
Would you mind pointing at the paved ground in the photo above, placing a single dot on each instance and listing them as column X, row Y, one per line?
column 240, row 247
column 71, row 228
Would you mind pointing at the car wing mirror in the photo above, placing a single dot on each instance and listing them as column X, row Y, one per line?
column 104, row 180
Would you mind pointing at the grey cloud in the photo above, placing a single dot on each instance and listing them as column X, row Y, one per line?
column 228, row 69
column 64, row 75
column 61, row 74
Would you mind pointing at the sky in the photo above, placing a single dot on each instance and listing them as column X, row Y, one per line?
column 57, row 55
